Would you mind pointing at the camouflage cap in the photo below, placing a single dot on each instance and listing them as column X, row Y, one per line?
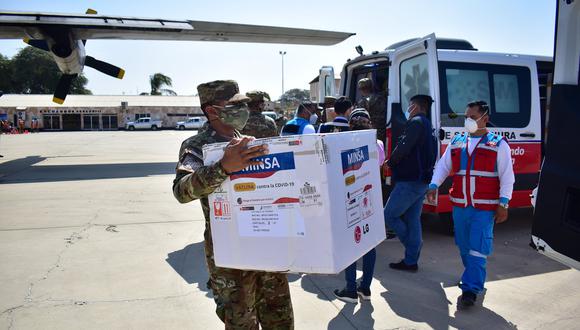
column 328, row 101
column 220, row 90
column 365, row 83
column 258, row 96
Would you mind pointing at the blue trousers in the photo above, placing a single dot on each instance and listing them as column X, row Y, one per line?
column 368, row 270
column 403, row 215
column 474, row 237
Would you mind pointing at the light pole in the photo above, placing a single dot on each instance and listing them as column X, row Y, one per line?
column 282, row 53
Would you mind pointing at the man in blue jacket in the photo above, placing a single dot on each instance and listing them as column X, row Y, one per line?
column 412, row 163
column 342, row 108
column 303, row 122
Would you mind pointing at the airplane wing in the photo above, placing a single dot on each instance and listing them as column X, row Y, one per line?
column 15, row 25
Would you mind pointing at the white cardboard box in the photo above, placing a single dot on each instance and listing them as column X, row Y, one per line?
column 313, row 206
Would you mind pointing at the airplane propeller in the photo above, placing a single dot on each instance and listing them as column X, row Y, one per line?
column 63, row 88
column 104, row 67
column 63, row 50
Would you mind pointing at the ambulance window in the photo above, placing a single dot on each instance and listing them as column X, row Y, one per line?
column 414, row 78
column 507, row 98
column 378, row 72
column 328, row 81
column 464, row 86
column 507, row 89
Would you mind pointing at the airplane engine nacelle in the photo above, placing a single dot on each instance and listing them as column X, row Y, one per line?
column 70, row 60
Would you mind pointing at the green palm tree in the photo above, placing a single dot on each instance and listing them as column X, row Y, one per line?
column 158, row 81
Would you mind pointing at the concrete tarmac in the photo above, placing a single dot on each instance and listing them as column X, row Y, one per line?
column 91, row 237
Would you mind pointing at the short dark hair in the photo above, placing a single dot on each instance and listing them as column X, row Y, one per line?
column 423, row 101
column 481, row 106
column 305, row 105
column 342, row 104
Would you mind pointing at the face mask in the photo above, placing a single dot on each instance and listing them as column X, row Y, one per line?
column 408, row 112
column 313, row 118
column 471, row 125
column 234, row 115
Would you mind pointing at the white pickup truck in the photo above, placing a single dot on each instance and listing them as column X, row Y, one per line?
column 191, row 123
column 143, row 123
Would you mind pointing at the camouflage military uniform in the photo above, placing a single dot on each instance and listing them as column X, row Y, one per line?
column 258, row 125
column 375, row 105
column 243, row 299
column 280, row 122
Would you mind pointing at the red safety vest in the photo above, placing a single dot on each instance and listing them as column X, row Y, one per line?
column 475, row 176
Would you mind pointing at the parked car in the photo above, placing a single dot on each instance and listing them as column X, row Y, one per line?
column 144, row 123
column 191, row 123
column 270, row 114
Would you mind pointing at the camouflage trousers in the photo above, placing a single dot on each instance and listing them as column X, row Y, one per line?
column 247, row 299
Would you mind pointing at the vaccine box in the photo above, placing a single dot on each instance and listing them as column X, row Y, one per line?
column 313, row 205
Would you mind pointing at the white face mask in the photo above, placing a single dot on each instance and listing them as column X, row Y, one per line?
column 408, row 112
column 471, row 125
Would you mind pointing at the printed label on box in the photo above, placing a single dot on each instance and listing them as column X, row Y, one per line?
column 278, row 220
column 358, row 198
column 309, row 195
column 221, row 206
column 267, row 198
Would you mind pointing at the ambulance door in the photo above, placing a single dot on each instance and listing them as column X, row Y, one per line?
column 414, row 70
column 326, row 84
column 326, row 87
column 556, row 227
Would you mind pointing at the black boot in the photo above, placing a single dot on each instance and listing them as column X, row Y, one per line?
column 403, row 266
column 468, row 299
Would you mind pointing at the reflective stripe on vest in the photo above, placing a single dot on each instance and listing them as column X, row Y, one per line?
column 476, row 179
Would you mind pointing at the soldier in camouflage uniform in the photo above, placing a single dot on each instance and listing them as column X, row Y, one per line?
column 244, row 299
column 280, row 122
column 375, row 104
column 258, row 125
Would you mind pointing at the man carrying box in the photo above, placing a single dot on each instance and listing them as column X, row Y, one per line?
column 244, row 299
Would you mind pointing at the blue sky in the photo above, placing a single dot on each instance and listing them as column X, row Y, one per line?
column 514, row 26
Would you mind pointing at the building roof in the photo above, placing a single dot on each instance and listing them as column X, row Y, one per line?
column 318, row 77
column 97, row 101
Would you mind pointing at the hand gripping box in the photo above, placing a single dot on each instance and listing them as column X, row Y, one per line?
column 314, row 205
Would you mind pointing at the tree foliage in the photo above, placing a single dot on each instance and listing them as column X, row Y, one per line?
column 33, row 71
column 294, row 96
column 158, row 81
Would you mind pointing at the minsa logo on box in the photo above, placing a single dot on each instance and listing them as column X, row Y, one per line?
column 269, row 164
column 353, row 159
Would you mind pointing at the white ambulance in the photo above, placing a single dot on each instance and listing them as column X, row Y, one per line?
column 454, row 73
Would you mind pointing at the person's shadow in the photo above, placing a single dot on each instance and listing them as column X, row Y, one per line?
column 363, row 317
column 318, row 284
column 417, row 298
column 189, row 263
column 421, row 298
column 479, row 317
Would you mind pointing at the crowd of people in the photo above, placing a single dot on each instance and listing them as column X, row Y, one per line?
column 478, row 161
column 8, row 127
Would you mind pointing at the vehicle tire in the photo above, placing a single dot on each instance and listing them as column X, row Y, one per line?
column 153, row 128
column 131, row 128
column 181, row 128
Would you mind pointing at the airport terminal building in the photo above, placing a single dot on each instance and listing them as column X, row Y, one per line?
column 96, row 112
